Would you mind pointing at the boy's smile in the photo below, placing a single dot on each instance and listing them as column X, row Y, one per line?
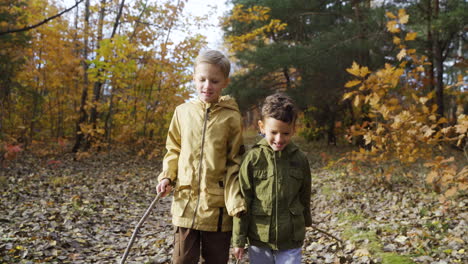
column 277, row 133
column 209, row 82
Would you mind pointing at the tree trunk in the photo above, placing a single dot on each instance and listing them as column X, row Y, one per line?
column 360, row 16
column 84, row 93
column 147, row 109
column 439, row 65
column 331, row 137
column 288, row 79
column 108, row 121
column 98, row 85
column 137, row 22
column 430, row 54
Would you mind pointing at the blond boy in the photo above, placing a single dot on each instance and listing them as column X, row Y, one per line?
column 203, row 157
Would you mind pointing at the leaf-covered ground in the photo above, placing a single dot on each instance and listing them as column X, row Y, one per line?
column 65, row 211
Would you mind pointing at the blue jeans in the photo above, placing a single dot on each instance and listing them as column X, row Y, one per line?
column 258, row 255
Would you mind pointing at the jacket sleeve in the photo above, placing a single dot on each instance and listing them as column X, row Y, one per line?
column 173, row 145
column 234, row 202
column 241, row 224
column 306, row 192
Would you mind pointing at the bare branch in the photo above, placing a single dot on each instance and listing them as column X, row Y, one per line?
column 42, row 22
column 117, row 19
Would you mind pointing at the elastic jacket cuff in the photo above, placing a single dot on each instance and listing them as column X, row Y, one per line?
column 237, row 211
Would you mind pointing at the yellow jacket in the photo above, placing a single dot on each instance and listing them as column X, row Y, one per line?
column 203, row 145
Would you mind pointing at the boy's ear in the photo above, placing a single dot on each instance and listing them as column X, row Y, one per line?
column 261, row 126
column 228, row 80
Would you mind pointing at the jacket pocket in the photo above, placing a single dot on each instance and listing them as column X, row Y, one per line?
column 259, row 228
column 263, row 182
column 215, row 197
column 180, row 200
column 296, row 179
column 298, row 223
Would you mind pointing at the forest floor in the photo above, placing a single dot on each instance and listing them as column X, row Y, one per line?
column 60, row 210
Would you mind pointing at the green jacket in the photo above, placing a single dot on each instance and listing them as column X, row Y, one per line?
column 276, row 187
column 203, row 156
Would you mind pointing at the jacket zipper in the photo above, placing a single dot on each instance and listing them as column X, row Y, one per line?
column 205, row 121
column 276, row 199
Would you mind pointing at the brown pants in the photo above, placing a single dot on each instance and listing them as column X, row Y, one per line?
column 214, row 246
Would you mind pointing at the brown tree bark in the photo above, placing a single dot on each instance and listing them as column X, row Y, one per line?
column 439, row 65
column 84, row 93
column 98, row 85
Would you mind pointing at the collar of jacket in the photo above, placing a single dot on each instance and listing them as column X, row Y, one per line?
column 289, row 149
column 225, row 101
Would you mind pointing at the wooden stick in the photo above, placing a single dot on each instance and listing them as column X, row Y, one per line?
column 137, row 228
column 330, row 235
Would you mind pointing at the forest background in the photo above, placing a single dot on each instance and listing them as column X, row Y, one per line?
column 381, row 86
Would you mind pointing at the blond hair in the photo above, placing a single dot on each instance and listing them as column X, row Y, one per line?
column 216, row 58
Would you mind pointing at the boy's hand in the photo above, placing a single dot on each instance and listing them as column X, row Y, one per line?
column 240, row 214
column 164, row 187
column 238, row 253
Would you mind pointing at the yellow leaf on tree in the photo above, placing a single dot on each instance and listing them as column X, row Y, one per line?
column 352, row 83
column 428, row 132
column 461, row 128
column 357, row 100
column 396, row 40
column 401, row 54
column 411, row 36
column 374, row 100
column 402, row 16
column 364, row 71
column 390, row 15
column 423, row 100
column 354, row 70
column 404, row 19
column 347, row 95
column 394, row 101
column 392, row 27
column 442, row 120
column 425, row 109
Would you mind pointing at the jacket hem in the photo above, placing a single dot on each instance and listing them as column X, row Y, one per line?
column 200, row 227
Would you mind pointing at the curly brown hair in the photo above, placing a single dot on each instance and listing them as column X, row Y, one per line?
column 280, row 107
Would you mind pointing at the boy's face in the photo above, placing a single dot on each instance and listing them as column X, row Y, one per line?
column 209, row 82
column 277, row 133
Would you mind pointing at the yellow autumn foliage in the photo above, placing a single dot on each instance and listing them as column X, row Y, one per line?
column 248, row 16
column 405, row 126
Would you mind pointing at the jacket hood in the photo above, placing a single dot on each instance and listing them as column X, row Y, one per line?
column 290, row 148
column 225, row 101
